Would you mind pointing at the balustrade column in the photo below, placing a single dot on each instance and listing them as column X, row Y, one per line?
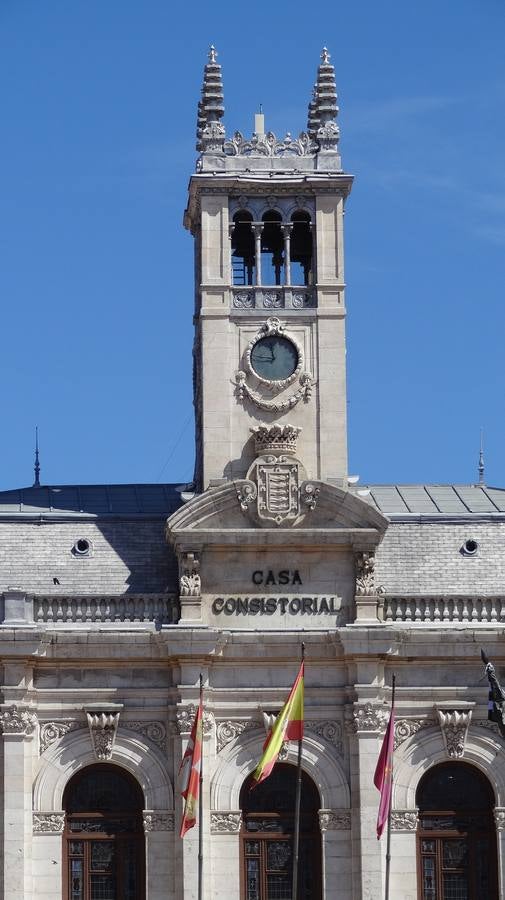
column 257, row 229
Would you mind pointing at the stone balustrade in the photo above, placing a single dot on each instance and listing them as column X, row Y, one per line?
column 18, row 608
column 444, row 609
column 272, row 298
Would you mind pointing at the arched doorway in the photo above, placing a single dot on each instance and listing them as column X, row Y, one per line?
column 456, row 836
column 103, row 841
column 267, row 837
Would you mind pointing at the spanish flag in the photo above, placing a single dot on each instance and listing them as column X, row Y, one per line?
column 190, row 769
column 288, row 726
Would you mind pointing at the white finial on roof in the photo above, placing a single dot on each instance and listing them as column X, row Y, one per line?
column 325, row 56
column 481, row 457
column 212, row 54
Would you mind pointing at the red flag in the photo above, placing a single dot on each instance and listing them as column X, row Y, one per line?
column 190, row 769
column 383, row 778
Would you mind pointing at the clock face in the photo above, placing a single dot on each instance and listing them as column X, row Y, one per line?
column 274, row 358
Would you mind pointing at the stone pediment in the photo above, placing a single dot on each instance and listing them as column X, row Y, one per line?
column 324, row 514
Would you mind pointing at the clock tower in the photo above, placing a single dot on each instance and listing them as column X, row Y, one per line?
column 269, row 350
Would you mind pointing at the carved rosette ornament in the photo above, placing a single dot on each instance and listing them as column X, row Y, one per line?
column 189, row 579
column 404, row 820
column 186, row 717
column 454, row 727
column 48, row 822
column 158, row 820
column 225, row 822
column 275, row 490
column 334, row 819
column 17, row 720
column 366, row 717
column 102, row 729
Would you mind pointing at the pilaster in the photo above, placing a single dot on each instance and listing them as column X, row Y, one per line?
column 17, row 724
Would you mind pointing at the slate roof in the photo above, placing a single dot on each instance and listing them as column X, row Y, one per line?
column 397, row 501
column 92, row 501
column 434, row 501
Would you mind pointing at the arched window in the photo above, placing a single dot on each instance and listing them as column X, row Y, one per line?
column 103, row 852
column 272, row 249
column 242, row 249
column 267, row 837
column 301, row 249
column 456, row 837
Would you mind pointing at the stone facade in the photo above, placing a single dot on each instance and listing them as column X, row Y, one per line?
column 103, row 641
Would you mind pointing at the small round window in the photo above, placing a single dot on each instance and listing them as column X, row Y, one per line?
column 470, row 547
column 82, row 547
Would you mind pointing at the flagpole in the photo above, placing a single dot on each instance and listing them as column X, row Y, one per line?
column 296, row 836
column 388, row 839
column 200, row 807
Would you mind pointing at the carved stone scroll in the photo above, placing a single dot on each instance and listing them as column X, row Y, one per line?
column 454, row 727
column 53, row 731
column 229, row 730
column 225, row 822
column 405, row 728
column 48, row 822
column 154, row 731
column 102, row 729
column 334, row 819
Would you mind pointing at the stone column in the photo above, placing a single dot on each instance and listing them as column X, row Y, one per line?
column 18, row 725
column 257, row 229
column 335, row 825
column 403, row 874
column 159, row 832
column 47, row 853
column 286, row 231
column 499, row 817
column 225, row 828
column 366, row 725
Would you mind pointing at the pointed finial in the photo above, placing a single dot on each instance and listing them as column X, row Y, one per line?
column 36, row 467
column 210, row 132
column 481, row 457
column 323, row 110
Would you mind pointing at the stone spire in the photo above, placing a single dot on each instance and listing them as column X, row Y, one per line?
column 210, row 132
column 322, row 121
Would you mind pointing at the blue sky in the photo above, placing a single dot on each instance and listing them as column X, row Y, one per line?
column 97, row 145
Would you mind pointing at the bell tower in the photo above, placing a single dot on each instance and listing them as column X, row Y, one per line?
column 269, row 350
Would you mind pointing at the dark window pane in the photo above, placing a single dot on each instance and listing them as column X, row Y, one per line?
column 103, row 887
column 429, row 884
column 455, row 854
column 455, row 887
column 253, row 879
column 102, row 854
column 76, row 879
